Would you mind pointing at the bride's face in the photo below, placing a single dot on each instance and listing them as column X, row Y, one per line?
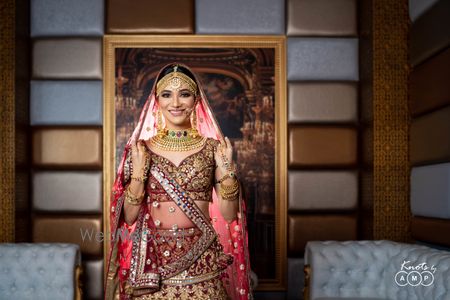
column 176, row 106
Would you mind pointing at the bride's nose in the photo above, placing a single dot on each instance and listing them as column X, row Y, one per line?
column 176, row 101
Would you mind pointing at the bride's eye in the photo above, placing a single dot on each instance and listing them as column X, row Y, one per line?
column 185, row 94
column 165, row 95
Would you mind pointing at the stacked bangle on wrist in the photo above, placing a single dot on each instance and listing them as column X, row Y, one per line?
column 229, row 192
column 230, row 175
column 131, row 199
column 145, row 170
column 142, row 178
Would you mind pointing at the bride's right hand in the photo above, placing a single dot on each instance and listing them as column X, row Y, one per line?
column 139, row 156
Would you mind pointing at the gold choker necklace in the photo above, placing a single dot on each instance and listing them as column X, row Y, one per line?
column 178, row 140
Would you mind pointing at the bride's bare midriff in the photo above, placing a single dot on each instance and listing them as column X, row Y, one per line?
column 168, row 219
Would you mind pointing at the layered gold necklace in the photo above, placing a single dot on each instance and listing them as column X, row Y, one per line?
column 178, row 140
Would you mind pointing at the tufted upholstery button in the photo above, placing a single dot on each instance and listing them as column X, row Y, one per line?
column 41, row 271
column 349, row 272
column 332, row 269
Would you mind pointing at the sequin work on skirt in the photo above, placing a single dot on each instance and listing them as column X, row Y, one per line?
column 205, row 273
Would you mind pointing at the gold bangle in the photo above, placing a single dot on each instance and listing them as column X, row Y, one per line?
column 142, row 178
column 230, row 197
column 229, row 192
column 230, row 175
column 131, row 199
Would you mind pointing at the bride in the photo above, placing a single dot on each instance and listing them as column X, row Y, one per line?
column 177, row 190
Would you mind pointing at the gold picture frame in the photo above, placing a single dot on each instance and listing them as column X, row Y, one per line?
column 112, row 44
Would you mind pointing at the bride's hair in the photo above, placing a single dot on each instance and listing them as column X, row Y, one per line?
column 170, row 68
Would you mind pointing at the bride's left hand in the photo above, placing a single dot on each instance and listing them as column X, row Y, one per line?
column 224, row 154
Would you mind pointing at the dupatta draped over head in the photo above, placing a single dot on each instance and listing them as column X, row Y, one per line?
column 232, row 236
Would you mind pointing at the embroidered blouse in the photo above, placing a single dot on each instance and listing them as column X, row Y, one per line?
column 195, row 174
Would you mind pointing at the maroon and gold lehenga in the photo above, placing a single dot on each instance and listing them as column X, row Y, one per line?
column 157, row 259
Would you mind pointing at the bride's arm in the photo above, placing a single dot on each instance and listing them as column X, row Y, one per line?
column 135, row 197
column 228, row 200
column 131, row 212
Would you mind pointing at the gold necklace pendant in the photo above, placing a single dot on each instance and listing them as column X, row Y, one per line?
column 178, row 140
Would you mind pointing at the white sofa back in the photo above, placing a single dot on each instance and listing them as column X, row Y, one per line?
column 377, row 270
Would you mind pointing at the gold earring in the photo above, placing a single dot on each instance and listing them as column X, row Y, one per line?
column 194, row 132
column 160, row 131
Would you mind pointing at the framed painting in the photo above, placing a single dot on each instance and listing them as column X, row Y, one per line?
column 245, row 82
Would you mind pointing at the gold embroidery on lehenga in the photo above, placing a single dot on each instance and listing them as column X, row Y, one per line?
column 206, row 270
column 211, row 289
column 201, row 258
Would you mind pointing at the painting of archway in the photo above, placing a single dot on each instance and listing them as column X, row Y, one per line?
column 240, row 84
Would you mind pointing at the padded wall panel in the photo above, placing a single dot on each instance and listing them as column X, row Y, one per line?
column 75, row 147
column 430, row 138
column 430, row 33
column 66, row 102
column 84, row 231
column 66, row 18
column 239, row 17
column 429, row 88
column 419, row 7
column 323, row 190
column 93, row 279
column 431, row 230
column 58, row 191
column 430, row 191
column 150, row 16
column 322, row 59
column 321, row 17
column 304, row 228
column 323, row 102
column 75, row 58
column 296, row 278
column 322, row 146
